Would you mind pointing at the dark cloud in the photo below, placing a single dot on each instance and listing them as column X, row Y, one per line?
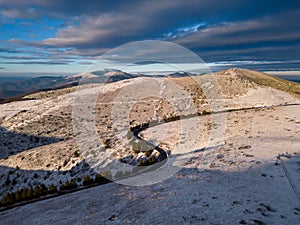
column 250, row 53
column 19, row 57
column 58, row 9
column 146, row 62
column 85, row 63
column 38, row 62
column 16, row 51
column 215, row 30
column 7, row 50
column 272, row 29
column 187, row 11
column 152, row 21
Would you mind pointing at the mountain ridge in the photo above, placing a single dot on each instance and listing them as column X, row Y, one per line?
column 10, row 91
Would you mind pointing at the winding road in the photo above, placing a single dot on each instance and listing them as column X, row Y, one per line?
column 143, row 169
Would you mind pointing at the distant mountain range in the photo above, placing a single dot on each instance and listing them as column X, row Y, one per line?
column 13, row 90
column 19, row 88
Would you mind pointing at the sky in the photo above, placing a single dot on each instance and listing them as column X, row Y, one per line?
column 53, row 36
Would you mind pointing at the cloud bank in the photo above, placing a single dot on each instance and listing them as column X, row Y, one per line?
column 73, row 31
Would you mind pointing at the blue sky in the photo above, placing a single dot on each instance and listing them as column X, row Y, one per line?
column 54, row 36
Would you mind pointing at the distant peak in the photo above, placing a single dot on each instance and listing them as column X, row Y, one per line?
column 108, row 72
column 112, row 70
column 180, row 74
column 233, row 71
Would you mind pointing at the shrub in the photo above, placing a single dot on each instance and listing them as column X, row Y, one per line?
column 87, row 180
column 147, row 162
column 141, row 163
column 43, row 188
column 148, row 153
column 65, row 163
column 64, row 186
column 151, row 160
column 52, row 189
column 18, row 196
column 36, row 191
column 8, row 198
column 76, row 154
column 107, row 143
column 26, row 193
column 68, row 185
column 100, row 178
column 73, row 183
column 204, row 112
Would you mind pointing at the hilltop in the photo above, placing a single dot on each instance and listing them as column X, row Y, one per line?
column 264, row 79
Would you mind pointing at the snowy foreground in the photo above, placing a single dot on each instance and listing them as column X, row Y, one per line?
column 252, row 178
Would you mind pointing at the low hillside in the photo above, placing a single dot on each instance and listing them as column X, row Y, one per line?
column 38, row 144
column 235, row 167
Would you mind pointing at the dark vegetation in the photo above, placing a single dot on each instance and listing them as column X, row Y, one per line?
column 41, row 191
